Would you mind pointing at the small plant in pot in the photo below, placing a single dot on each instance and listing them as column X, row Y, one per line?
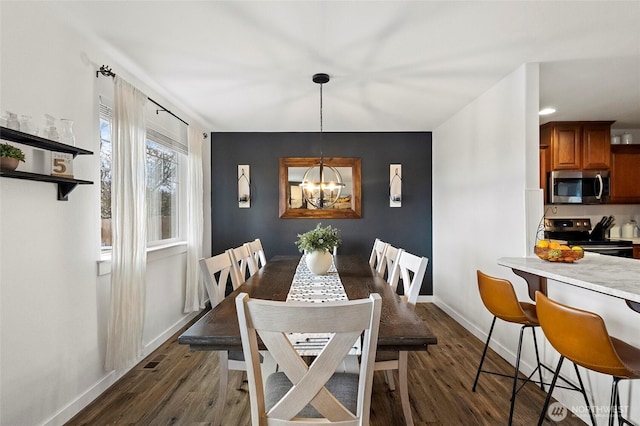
column 318, row 245
column 10, row 157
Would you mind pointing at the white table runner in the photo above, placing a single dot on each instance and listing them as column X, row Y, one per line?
column 308, row 287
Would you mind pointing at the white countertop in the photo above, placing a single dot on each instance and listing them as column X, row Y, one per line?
column 614, row 276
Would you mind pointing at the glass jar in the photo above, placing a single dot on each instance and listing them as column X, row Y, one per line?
column 66, row 132
column 26, row 125
column 12, row 121
column 50, row 131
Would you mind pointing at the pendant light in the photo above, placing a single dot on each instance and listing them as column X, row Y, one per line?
column 321, row 185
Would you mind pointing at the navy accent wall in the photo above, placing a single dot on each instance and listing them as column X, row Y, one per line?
column 408, row 227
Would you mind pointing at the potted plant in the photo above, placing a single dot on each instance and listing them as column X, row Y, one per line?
column 317, row 245
column 10, row 157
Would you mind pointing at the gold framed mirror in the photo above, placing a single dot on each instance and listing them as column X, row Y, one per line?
column 292, row 203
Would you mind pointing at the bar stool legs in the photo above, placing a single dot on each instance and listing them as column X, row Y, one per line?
column 556, row 375
column 515, row 388
column 484, row 353
column 615, row 410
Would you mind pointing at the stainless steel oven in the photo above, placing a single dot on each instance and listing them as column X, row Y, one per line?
column 611, row 248
column 578, row 232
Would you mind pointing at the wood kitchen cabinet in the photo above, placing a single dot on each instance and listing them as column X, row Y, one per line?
column 577, row 145
column 625, row 174
column 545, row 166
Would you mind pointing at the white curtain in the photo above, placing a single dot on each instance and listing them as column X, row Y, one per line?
column 194, row 291
column 129, row 255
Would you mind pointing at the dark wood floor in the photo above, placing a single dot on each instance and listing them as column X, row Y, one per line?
column 176, row 386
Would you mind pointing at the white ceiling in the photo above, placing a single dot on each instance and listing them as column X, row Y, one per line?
column 394, row 65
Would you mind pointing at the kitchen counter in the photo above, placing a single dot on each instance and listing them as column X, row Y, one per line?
column 613, row 276
column 635, row 240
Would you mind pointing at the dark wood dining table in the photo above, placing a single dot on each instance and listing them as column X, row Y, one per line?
column 400, row 327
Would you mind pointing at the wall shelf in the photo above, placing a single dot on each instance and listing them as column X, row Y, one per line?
column 65, row 185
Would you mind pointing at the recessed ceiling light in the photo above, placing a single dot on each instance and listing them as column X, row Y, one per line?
column 547, row 111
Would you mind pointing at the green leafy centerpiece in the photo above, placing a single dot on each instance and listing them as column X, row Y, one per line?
column 10, row 156
column 318, row 244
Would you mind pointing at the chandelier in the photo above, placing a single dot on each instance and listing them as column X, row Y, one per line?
column 321, row 185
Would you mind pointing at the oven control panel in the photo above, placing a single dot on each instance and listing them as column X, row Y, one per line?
column 564, row 225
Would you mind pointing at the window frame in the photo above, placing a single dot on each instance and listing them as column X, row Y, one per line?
column 181, row 177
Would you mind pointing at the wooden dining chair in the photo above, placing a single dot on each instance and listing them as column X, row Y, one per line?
column 377, row 253
column 391, row 255
column 300, row 393
column 243, row 263
column 411, row 270
column 256, row 250
column 216, row 271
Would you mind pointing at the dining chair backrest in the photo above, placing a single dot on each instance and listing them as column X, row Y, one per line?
column 256, row 250
column 411, row 269
column 377, row 253
column 319, row 391
column 385, row 267
column 216, row 271
column 243, row 263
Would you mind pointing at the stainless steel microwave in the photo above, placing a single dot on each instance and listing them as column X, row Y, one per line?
column 578, row 186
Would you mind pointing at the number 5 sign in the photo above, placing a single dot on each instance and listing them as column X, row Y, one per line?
column 62, row 164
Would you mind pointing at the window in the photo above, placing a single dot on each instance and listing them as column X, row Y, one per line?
column 165, row 165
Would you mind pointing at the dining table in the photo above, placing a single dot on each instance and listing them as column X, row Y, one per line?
column 401, row 328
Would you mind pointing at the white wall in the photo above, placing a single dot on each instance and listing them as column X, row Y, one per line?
column 53, row 304
column 486, row 205
column 479, row 215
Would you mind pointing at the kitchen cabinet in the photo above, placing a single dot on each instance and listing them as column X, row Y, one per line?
column 65, row 184
column 545, row 160
column 636, row 251
column 577, row 145
column 625, row 174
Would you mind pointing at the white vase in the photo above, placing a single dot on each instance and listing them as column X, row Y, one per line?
column 318, row 261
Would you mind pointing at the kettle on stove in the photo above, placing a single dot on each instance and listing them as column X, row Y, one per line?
column 629, row 229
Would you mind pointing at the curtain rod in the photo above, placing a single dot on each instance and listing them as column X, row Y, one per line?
column 106, row 71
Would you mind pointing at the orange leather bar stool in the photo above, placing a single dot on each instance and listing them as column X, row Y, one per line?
column 500, row 299
column 582, row 337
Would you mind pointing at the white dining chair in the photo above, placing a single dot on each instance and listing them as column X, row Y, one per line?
column 377, row 253
column 308, row 394
column 391, row 255
column 411, row 270
column 243, row 263
column 256, row 250
column 216, row 271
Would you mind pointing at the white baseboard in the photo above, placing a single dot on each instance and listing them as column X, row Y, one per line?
column 500, row 349
column 82, row 401
column 568, row 398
